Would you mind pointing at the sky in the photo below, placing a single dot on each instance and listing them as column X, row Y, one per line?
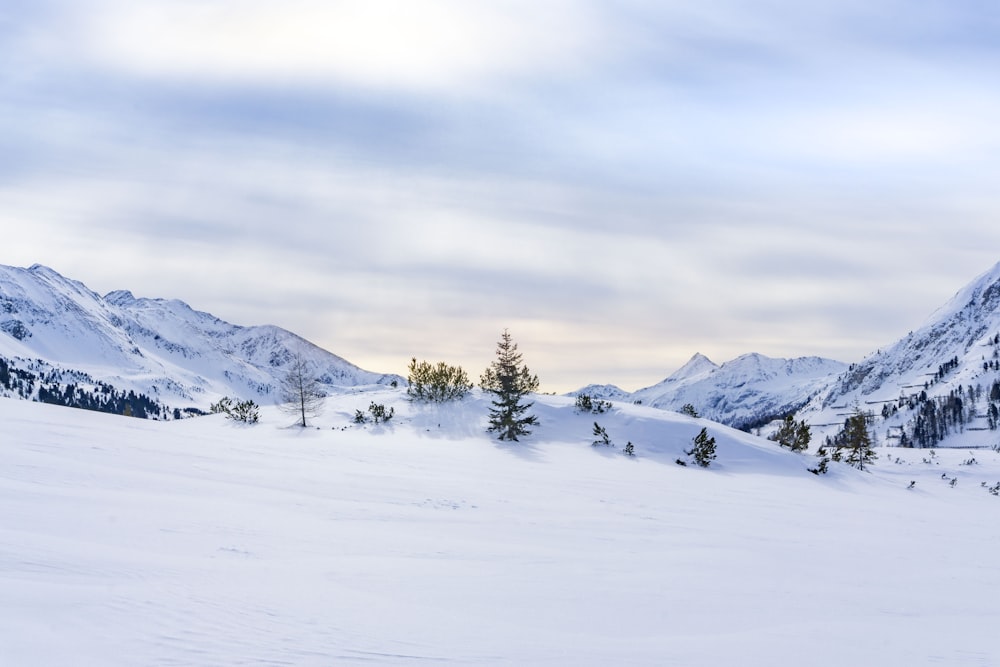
column 620, row 184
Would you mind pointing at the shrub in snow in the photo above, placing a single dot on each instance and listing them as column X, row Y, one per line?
column 629, row 449
column 601, row 436
column 510, row 381
column 376, row 413
column 585, row 403
column 703, row 450
column 379, row 413
column 246, row 411
column 824, row 463
column 688, row 409
column 437, row 383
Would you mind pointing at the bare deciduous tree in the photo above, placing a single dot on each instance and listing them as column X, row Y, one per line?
column 301, row 392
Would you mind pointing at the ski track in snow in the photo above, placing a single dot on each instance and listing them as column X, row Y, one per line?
column 201, row 542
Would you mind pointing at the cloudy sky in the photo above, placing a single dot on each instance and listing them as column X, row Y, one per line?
column 621, row 184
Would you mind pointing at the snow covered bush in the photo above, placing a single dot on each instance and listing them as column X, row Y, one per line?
column 246, row 411
column 377, row 414
column 601, row 436
column 436, row 383
column 584, row 403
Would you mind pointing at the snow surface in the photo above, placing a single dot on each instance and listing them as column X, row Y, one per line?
column 423, row 541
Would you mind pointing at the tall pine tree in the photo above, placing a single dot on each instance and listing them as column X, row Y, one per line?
column 858, row 441
column 509, row 380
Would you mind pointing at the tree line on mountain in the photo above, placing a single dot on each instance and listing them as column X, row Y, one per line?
column 82, row 391
column 935, row 418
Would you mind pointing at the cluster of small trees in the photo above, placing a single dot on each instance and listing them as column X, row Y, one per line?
column 852, row 444
column 245, row 411
column 584, row 403
column 377, row 414
column 793, row 435
column 436, row 383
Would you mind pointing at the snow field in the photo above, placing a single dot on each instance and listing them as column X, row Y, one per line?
column 204, row 542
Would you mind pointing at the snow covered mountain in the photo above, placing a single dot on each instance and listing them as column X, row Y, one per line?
column 58, row 329
column 746, row 392
column 938, row 384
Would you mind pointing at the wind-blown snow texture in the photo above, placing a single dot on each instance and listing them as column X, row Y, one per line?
column 203, row 542
column 161, row 348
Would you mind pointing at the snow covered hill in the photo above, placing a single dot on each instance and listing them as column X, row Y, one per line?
column 163, row 349
column 206, row 542
column 938, row 385
column 746, row 392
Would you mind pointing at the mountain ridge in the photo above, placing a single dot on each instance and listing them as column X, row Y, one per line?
column 161, row 348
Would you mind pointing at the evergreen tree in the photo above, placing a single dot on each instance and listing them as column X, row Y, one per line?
column 858, row 441
column 703, row 450
column 792, row 434
column 509, row 380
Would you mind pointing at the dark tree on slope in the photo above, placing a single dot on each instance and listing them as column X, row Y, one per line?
column 857, row 440
column 792, row 434
column 703, row 450
column 510, row 381
column 300, row 391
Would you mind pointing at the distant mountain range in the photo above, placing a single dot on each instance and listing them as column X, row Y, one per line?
column 937, row 386
column 747, row 392
column 60, row 332
column 60, row 342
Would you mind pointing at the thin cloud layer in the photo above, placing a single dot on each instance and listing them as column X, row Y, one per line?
column 621, row 184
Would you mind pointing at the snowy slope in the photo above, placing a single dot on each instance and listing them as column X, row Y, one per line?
column 745, row 392
column 202, row 542
column 954, row 351
column 161, row 348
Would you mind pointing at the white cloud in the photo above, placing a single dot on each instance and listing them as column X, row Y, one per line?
column 374, row 44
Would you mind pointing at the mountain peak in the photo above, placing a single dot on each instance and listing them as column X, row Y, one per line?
column 120, row 297
column 699, row 364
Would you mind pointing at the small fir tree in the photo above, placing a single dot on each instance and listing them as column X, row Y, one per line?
column 688, row 409
column 510, row 381
column 703, row 450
